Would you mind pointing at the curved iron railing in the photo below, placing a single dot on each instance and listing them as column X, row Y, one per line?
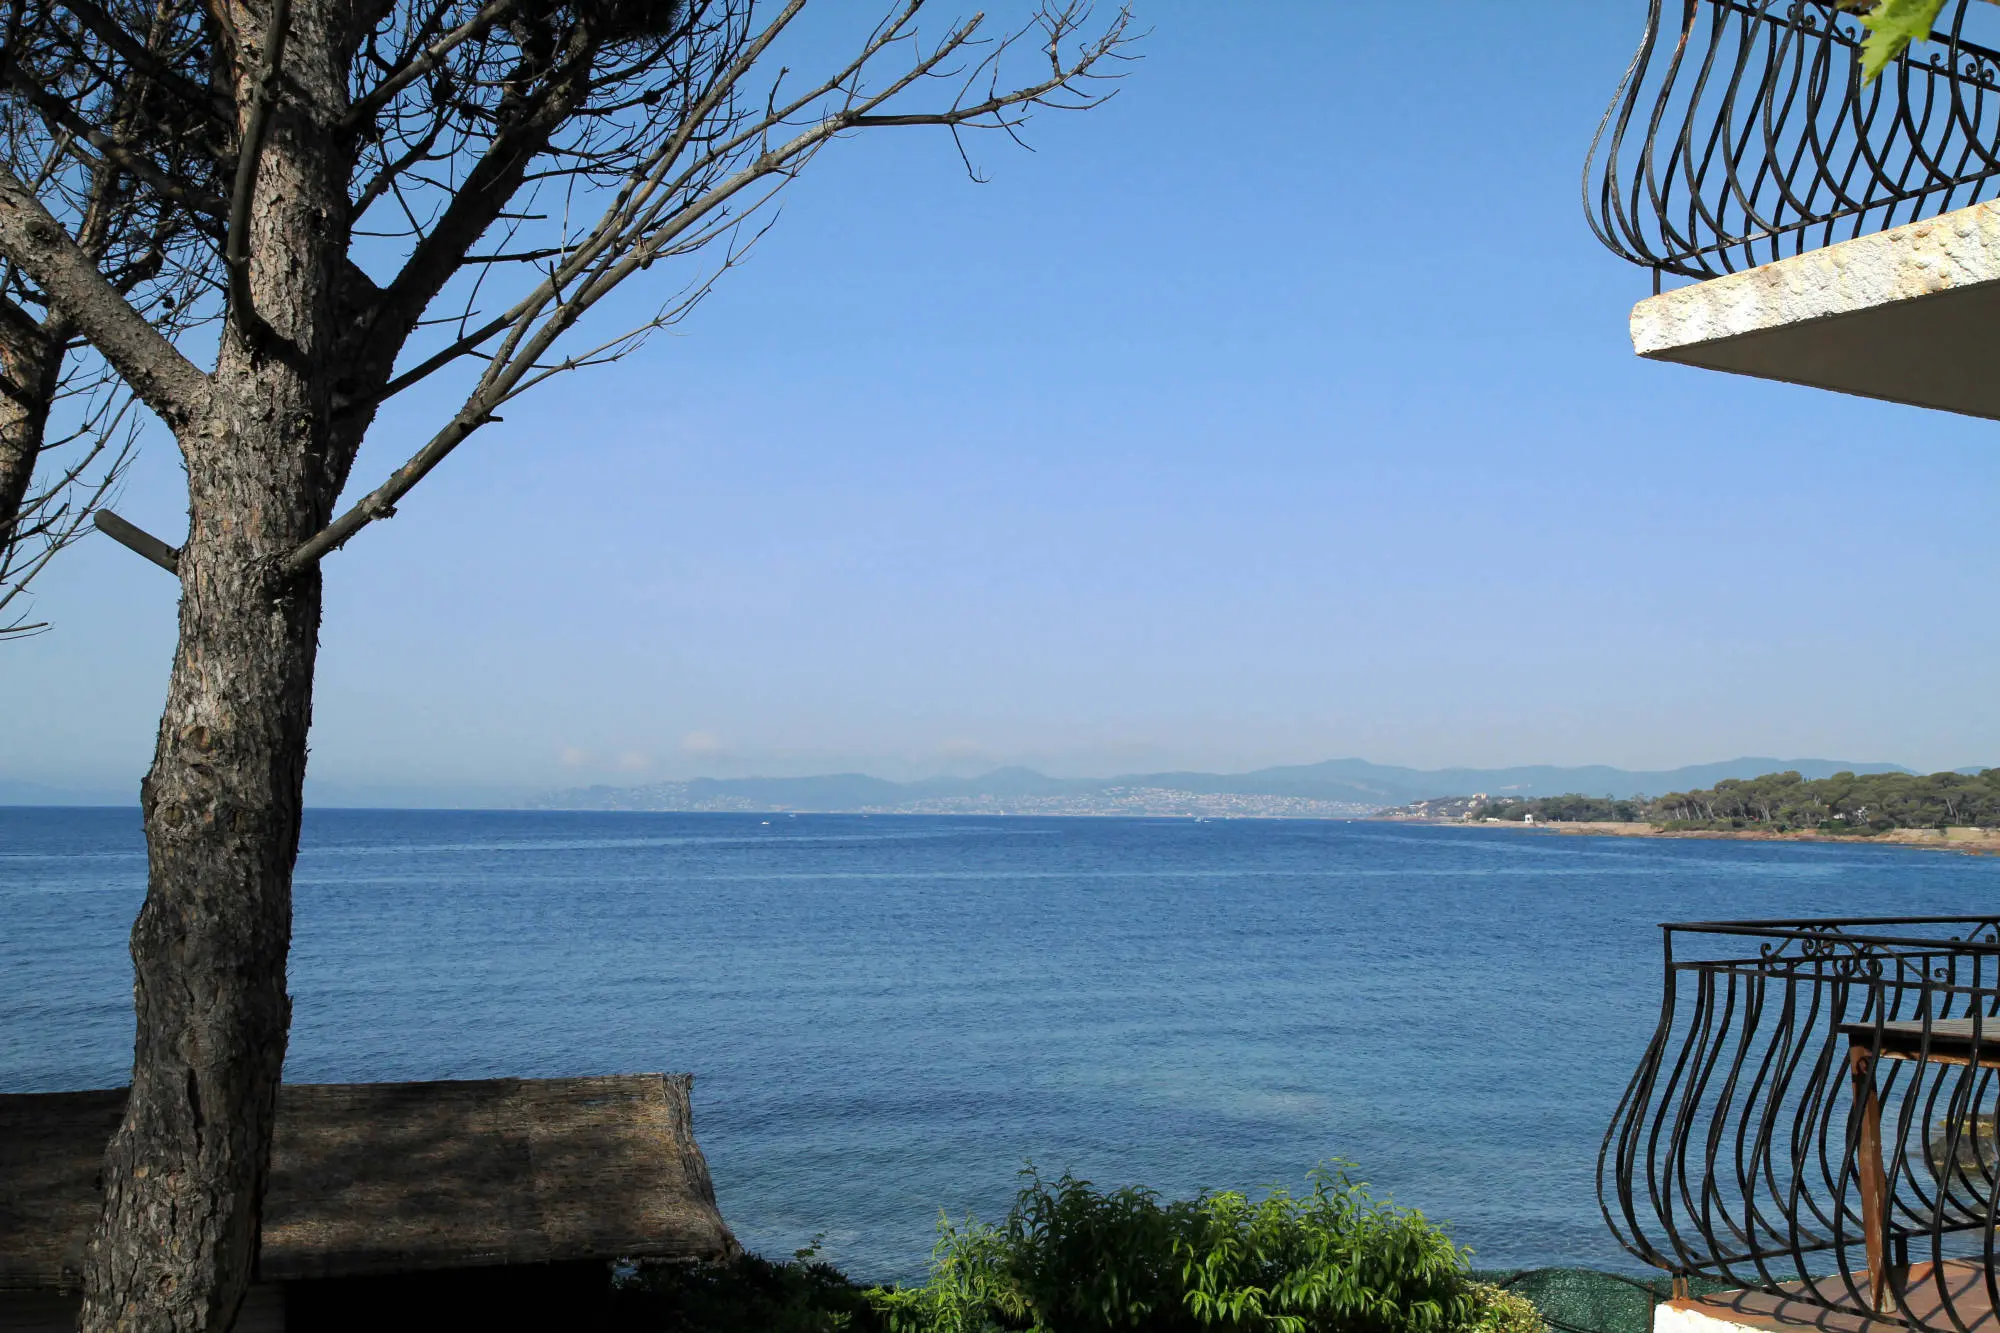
column 1814, row 1118
column 1742, row 133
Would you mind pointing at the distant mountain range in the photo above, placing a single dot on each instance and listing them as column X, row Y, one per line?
column 1334, row 788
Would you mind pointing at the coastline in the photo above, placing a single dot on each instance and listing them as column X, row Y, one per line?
column 1970, row 841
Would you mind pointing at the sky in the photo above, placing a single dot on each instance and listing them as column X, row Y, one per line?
column 1281, row 409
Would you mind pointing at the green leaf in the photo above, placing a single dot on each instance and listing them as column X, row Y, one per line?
column 1892, row 25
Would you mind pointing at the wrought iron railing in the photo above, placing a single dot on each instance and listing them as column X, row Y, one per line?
column 1742, row 133
column 1814, row 1119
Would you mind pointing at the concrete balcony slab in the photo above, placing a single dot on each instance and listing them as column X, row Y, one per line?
column 1910, row 315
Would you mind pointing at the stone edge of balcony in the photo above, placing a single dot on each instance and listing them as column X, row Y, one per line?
column 1933, row 257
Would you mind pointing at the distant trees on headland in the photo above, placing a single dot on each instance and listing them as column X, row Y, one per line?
column 1569, row 809
column 1843, row 803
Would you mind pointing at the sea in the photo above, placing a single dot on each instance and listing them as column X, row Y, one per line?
column 889, row 1018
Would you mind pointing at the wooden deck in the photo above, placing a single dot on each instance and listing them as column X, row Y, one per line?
column 1925, row 1294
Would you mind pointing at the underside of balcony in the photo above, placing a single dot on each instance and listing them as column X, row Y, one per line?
column 1910, row 315
column 1837, row 228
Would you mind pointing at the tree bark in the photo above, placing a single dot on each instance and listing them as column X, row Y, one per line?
column 176, row 1245
column 29, row 367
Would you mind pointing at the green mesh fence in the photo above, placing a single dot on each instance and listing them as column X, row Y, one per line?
column 1583, row 1300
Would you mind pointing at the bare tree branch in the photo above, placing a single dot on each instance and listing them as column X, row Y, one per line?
column 654, row 214
column 136, row 53
column 165, row 380
column 115, row 153
column 364, row 111
column 96, row 449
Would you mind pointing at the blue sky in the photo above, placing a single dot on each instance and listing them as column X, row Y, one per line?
column 1281, row 409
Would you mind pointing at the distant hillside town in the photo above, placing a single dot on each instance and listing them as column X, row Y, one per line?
column 1159, row 802
column 1442, row 809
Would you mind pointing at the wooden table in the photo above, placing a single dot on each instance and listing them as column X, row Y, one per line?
column 1951, row 1042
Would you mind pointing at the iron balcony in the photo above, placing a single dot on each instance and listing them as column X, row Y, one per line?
column 1813, row 1122
column 1742, row 133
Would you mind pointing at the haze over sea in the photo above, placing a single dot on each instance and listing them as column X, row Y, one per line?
column 887, row 1016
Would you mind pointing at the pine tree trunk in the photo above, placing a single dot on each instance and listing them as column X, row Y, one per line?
column 28, row 369
column 176, row 1245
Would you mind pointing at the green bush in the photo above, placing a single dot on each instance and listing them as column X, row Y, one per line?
column 1497, row 1310
column 1335, row 1259
column 1072, row 1259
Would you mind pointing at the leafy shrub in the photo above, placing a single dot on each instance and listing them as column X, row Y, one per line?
column 1072, row 1259
column 966, row 1293
column 1335, row 1259
column 1497, row 1310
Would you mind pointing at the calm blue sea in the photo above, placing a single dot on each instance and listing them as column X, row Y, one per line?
column 889, row 1016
